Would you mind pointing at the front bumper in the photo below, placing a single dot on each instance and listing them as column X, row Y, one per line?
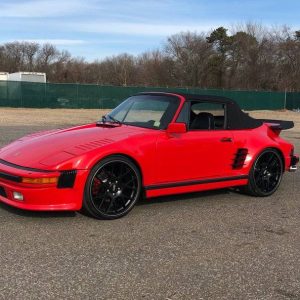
column 40, row 196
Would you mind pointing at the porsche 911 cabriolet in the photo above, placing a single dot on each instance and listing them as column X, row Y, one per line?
column 152, row 144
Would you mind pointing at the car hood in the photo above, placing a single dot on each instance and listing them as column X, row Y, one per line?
column 45, row 149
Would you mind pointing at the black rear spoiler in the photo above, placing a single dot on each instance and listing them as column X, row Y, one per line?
column 284, row 125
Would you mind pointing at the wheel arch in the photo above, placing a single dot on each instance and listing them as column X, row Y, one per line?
column 278, row 150
column 133, row 160
column 281, row 156
column 258, row 153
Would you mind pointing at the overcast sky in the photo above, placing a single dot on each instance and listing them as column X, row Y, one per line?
column 98, row 28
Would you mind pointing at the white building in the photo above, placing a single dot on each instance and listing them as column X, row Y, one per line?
column 27, row 76
column 3, row 76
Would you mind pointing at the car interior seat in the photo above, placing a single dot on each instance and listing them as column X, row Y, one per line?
column 203, row 120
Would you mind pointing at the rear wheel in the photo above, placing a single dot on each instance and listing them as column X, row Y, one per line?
column 112, row 188
column 266, row 174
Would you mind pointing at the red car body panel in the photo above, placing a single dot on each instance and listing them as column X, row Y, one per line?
column 170, row 163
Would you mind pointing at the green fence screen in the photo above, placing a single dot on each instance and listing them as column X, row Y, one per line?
column 55, row 95
column 293, row 101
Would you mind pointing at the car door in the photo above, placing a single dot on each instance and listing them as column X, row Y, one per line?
column 200, row 153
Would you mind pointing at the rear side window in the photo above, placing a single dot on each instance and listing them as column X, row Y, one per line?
column 207, row 116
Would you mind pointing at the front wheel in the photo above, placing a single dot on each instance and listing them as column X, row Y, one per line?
column 266, row 174
column 112, row 188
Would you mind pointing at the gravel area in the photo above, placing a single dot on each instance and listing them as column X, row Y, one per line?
column 209, row 245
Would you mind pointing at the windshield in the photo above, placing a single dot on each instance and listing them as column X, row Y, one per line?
column 149, row 111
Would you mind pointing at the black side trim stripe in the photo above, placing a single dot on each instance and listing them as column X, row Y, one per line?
column 10, row 177
column 4, row 162
column 194, row 182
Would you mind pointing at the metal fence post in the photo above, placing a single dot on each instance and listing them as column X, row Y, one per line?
column 284, row 99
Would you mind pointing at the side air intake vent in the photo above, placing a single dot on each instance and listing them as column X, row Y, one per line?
column 2, row 192
column 239, row 159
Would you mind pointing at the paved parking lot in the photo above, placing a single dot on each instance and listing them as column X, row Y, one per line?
column 210, row 245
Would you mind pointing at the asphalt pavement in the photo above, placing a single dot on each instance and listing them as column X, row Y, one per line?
column 209, row 245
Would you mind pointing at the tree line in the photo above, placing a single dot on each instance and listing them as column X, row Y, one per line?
column 249, row 57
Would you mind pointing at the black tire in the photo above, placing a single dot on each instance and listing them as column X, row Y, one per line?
column 112, row 188
column 266, row 174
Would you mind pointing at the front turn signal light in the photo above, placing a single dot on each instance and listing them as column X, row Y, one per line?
column 45, row 180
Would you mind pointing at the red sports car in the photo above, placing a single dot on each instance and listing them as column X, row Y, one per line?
column 152, row 144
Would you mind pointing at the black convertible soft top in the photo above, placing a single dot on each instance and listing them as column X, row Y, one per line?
column 236, row 118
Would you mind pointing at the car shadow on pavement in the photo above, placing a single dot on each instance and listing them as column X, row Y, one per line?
column 196, row 196
column 37, row 214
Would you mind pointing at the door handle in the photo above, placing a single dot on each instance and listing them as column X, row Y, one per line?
column 226, row 139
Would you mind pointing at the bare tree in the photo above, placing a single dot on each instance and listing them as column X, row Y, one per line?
column 30, row 51
column 47, row 54
column 289, row 68
column 154, row 69
column 14, row 56
column 248, row 56
column 190, row 53
column 119, row 70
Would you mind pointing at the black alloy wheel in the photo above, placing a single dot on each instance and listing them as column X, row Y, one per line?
column 112, row 188
column 266, row 173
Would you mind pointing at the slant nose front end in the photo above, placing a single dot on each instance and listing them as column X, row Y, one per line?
column 35, row 189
